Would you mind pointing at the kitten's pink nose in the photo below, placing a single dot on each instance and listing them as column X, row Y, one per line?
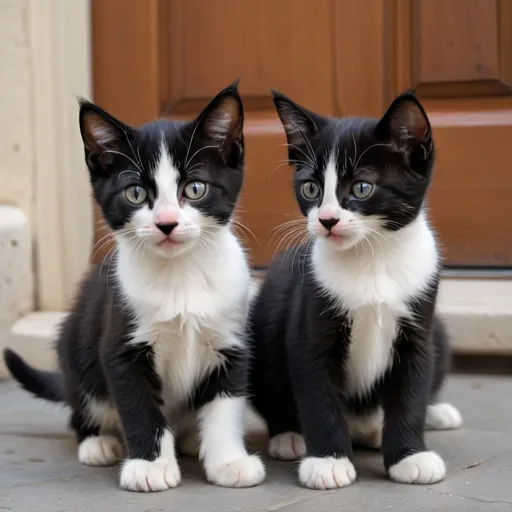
column 166, row 215
column 327, row 211
column 328, row 216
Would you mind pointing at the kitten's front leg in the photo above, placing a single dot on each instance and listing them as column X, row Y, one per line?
column 328, row 462
column 406, row 397
column 221, row 404
column 151, row 464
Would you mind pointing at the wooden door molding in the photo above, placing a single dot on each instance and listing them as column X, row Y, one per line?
column 168, row 57
column 458, row 56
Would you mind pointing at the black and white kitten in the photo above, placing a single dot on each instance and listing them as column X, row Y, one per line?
column 346, row 344
column 160, row 341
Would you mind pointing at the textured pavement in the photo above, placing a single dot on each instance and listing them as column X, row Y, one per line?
column 39, row 470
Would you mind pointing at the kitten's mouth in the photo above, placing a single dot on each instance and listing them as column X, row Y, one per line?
column 168, row 243
column 336, row 238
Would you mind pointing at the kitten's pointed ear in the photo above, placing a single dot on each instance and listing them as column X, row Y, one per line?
column 299, row 124
column 222, row 121
column 102, row 134
column 406, row 125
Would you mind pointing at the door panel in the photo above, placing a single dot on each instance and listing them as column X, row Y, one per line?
column 457, row 55
column 337, row 57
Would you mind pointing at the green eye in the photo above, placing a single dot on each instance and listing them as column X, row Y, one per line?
column 136, row 194
column 362, row 189
column 310, row 190
column 195, row 190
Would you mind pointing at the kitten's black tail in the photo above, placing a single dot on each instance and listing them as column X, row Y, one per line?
column 47, row 385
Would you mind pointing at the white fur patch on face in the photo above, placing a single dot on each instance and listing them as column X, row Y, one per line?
column 225, row 459
column 420, row 468
column 100, row 451
column 167, row 209
column 151, row 476
column 326, row 472
column 352, row 228
column 329, row 209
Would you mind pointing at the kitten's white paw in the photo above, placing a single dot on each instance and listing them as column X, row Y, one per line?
column 420, row 468
column 443, row 417
column 100, row 451
column 287, row 446
column 188, row 444
column 145, row 476
column 326, row 472
column 246, row 472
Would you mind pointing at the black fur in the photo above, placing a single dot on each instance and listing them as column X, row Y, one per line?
column 300, row 341
column 47, row 385
column 221, row 167
column 93, row 347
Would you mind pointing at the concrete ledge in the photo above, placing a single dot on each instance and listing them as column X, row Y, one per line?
column 15, row 266
column 478, row 313
column 33, row 337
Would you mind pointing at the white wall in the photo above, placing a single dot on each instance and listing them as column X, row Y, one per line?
column 16, row 163
column 16, row 112
column 44, row 62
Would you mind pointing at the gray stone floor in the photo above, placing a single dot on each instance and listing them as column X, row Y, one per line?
column 39, row 470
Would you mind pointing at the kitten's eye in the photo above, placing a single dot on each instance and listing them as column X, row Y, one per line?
column 310, row 190
column 362, row 189
column 195, row 190
column 136, row 194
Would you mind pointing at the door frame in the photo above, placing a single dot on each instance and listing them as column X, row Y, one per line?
column 60, row 39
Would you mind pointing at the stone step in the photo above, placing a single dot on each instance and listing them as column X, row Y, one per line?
column 16, row 297
column 478, row 313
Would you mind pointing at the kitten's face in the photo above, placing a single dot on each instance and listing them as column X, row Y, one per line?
column 357, row 178
column 167, row 186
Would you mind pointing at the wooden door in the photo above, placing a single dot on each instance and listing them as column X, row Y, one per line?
column 337, row 57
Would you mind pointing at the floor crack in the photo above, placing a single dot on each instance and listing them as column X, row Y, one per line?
column 473, row 498
column 479, row 463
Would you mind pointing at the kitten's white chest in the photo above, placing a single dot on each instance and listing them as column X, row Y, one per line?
column 373, row 332
column 374, row 288
column 188, row 311
column 182, row 358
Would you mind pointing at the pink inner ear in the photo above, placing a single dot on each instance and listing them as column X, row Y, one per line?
column 294, row 125
column 98, row 133
column 222, row 124
column 409, row 123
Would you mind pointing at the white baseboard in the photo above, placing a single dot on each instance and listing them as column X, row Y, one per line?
column 478, row 314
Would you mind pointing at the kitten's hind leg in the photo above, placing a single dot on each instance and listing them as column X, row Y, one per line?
column 288, row 445
column 286, row 441
column 188, row 435
column 366, row 430
column 441, row 416
column 94, row 449
column 273, row 400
